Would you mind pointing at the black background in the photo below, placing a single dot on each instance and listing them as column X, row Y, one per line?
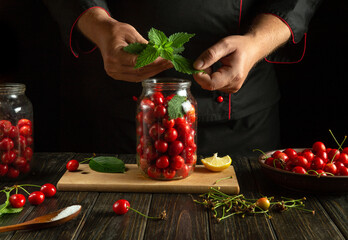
column 314, row 91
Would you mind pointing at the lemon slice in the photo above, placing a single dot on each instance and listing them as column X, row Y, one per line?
column 216, row 163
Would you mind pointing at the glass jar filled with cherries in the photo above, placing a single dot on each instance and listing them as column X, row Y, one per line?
column 166, row 129
column 16, row 132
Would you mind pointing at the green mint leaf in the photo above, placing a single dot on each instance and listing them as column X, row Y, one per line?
column 135, row 48
column 179, row 39
column 10, row 210
column 157, row 37
column 184, row 65
column 107, row 164
column 178, row 50
column 167, row 54
column 147, row 56
column 175, row 109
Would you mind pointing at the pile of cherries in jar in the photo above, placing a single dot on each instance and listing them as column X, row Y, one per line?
column 166, row 147
column 319, row 160
column 15, row 148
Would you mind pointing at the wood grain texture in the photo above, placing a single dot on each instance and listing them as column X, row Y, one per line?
column 185, row 219
column 133, row 181
column 299, row 224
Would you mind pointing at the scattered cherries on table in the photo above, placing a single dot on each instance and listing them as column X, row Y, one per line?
column 16, row 150
column 319, row 160
column 166, row 147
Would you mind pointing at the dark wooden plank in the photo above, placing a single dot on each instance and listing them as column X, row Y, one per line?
column 236, row 227
column 47, row 168
column 185, row 219
column 68, row 230
column 336, row 207
column 103, row 223
column 299, row 224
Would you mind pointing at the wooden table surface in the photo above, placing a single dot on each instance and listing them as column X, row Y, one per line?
column 185, row 219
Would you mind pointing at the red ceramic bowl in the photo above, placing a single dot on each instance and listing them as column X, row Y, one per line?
column 303, row 182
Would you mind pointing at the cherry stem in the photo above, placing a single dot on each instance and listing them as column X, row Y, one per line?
column 339, row 145
column 265, row 155
column 222, row 179
column 142, row 214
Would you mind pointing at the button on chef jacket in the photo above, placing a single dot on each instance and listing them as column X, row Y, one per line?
column 102, row 109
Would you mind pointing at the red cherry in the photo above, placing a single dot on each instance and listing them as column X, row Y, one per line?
column 30, row 140
column 25, row 168
column 161, row 146
column 26, row 131
column 48, row 189
column 318, row 147
column 309, row 155
column 28, row 153
column 17, row 200
column 333, row 155
column 317, row 163
column 155, row 131
column 20, row 162
column 175, row 148
column 149, row 153
column 12, row 172
column 345, row 150
column 331, row 168
column 184, row 171
column 121, row 207
column 300, row 161
column 177, row 162
column 170, row 135
column 148, row 117
column 169, row 173
column 342, row 171
column 8, row 157
column 160, row 111
column 157, row 98
column 343, row 158
column 14, row 132
column 146, row 104
column 72, row 165
column 291, row 153
column 162, row 162
column 280, row 155
column 322, row 155
column 299, row 169
column 6, row 144
column 154, row 172
column 36, row 198
column 139, row 117
column 3, row 170
column 22, row 122
column 168, row 123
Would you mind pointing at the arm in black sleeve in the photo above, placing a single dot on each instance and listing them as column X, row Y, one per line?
column 66, row 13
column 296, row 14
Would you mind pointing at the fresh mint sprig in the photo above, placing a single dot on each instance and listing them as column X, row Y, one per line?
column 166, row 47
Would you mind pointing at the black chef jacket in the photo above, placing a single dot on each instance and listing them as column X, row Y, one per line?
column 107, row 103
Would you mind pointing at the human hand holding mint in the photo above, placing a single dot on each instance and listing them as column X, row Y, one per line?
column 168, row 48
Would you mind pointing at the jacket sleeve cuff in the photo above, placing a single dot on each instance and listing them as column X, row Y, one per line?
column 293, row 51
column 79, row 43
column 296, row 14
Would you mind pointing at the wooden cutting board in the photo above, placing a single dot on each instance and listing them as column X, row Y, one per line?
column 133, row 181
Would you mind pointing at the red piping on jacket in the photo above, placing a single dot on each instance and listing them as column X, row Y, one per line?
column 293, row 41
column 72, row 28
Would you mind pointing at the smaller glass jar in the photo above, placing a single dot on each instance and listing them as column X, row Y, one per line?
column 16, row 132
column 166, row 129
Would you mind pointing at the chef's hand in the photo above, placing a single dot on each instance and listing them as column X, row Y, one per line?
column 111, row 37
column 239, row 53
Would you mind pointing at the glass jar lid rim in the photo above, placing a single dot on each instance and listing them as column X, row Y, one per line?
column 166, row 82
column 12, row 87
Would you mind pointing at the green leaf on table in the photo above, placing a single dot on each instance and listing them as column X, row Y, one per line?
column 10, row 210
column 175, row 109
column 135, row 48
column 107, row 164
column 147, row 56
